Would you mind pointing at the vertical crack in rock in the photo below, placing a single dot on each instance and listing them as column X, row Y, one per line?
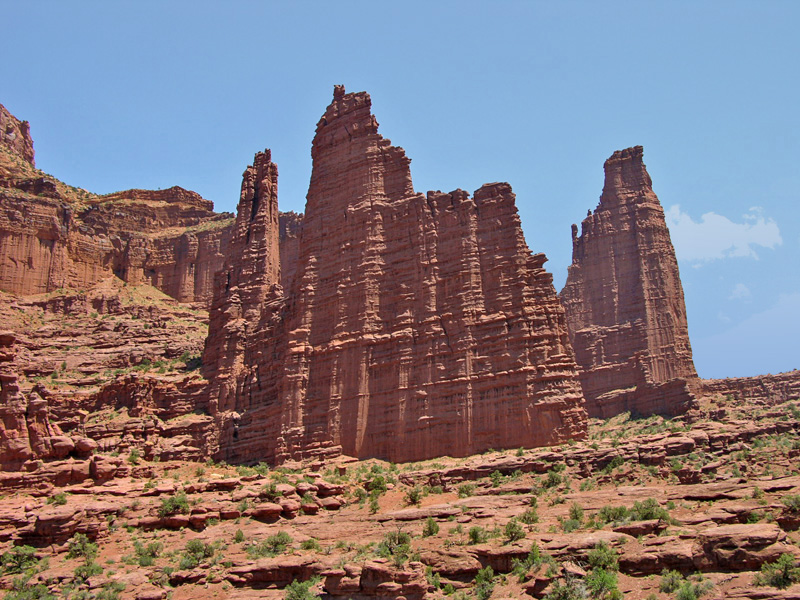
column 624, row 300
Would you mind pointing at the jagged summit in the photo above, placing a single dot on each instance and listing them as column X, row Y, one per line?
column 395, row 326
column 624, row 300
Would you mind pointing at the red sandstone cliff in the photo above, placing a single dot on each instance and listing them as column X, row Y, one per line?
column 624, row 300
column 15, row 135
column 414, row 327
column 53, row 235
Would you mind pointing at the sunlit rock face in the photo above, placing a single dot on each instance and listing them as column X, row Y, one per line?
column 624, row 300
column 414, row 325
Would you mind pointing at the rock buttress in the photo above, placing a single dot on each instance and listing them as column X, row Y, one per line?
column 414, row 327
column 624, row 300
column 15, row 136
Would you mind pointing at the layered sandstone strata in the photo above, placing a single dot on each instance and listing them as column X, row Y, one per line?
column 55, row 236
column 15, row 135
column 291, row 226
column 624, row 300
column 415, row 326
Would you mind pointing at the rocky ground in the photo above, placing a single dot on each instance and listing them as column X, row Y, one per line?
column 698, row 506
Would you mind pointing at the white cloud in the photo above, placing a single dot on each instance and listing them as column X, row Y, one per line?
column 715, row 237
column 740, row 292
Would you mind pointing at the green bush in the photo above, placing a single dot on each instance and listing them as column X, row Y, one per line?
column 780, row 574
column 514, row 531
column 238, row 537
column 171, row 505
column 301, row 590
column 58, row 499
column 87, row 570
column 553, row 479
column 311, row 544
column 22, row 590
column 792, row 502
column 272, row 546
column 570, row 589
column 81, row 546
column 603, row 556
column 602, row 584
column 413, row 496
column 484, row 583
column 477, row 535
column 194, row 553
column 147, row 554
column 431, row 527
column 396, row 545
column 497, row 478
column 18, row 559
column 465, row 490
column 529, row 517
column 670, row 581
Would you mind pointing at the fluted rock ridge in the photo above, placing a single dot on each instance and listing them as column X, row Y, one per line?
column 415, row 326
column 624, row 300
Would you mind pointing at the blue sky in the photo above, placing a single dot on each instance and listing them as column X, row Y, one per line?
column 154, row 94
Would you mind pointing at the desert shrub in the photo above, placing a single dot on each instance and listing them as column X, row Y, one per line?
column 431, row 527
column 134, row 456
column 396, row 545
column 311, row 544
column 270, row 492
column 146, row 555
column 576, row 512
column 647, row 510
column 570, row 525
column 18, row 559
column 80, row 546
column 301, row 590
column 792, row 502
column 514, row 531
column 272, row 546
column 670, row 581
column 570, row 589
column 238, row 537
column 171, row 505
column 617, row 461
column 413, row 496
column 484, row 583
column 194, row 553
column 465, row 490
column 529, row 517
column 23, row 590
column 497, row 478
column 603, row 556
column 520, row 568
column 602, row 584
column 59, row 499
column 689, row 590
column 477, row 535
column 612, row 514
column 87, row 570
column 552, row 480
column 780, row 574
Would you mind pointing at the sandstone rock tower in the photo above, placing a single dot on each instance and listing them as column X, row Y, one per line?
column 624, row 300
column 414, row 326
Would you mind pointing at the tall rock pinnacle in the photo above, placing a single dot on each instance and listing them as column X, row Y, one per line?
column 415, row 326
column 624, row 300
column 15, row 135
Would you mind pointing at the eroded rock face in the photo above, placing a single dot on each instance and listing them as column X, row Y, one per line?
column 54, row 236
column 15, row 135
column 624, row 300
column 26, row 431
column 414, row 327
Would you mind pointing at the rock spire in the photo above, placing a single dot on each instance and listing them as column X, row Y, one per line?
column 624, row 300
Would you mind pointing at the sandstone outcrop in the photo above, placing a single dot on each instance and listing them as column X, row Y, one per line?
column 415, row 326
column 15, row 136
column 56, row 236
column 624, row 300
column 766, row 389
